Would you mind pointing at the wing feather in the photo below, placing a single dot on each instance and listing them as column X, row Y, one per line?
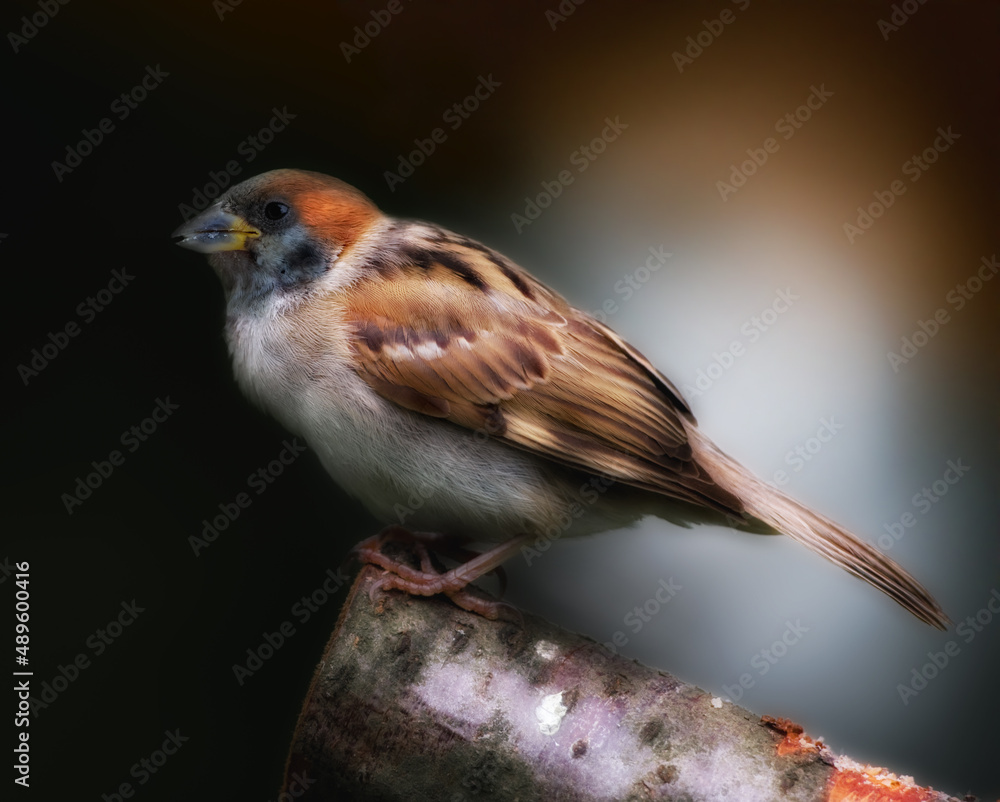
column 493, row 347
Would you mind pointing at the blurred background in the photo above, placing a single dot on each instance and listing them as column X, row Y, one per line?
column 758, row 144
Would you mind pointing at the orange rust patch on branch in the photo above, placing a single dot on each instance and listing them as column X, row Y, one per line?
column 782, row 725
column 795, row 738
column 871, row 784
column 851, row 781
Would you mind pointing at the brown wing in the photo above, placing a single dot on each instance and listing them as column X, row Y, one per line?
column 495, row 350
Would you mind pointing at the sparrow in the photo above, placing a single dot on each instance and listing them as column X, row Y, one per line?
column 420, row 364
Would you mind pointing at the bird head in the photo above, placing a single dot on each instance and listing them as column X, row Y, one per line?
column 279, row 231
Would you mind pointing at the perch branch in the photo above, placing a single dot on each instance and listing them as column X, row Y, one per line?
column 416, row 699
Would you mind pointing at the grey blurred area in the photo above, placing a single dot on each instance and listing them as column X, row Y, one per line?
column 789, row 208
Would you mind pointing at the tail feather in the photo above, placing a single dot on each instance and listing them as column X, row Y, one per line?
column 818, row 532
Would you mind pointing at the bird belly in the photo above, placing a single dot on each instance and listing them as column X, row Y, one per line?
column 431, row 475
column 410, row 469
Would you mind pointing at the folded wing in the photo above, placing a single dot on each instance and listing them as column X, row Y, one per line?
column 493, row 349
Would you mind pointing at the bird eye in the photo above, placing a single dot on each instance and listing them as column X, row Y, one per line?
column 275, row 210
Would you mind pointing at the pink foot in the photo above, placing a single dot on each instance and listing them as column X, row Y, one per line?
column 428, row 581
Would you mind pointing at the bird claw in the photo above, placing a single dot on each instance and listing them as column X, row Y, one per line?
column 428, row 580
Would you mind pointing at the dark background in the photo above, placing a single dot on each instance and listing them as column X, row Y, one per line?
column 655, row 185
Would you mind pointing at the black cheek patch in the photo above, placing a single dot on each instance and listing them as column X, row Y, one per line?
column 306, row 262
column 306, row 258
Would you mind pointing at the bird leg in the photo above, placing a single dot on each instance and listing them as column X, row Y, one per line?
column 429, row 580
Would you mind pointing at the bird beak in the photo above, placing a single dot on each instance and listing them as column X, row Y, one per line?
column 216, row 230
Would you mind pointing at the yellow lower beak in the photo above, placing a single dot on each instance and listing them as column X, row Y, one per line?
column 216, row 230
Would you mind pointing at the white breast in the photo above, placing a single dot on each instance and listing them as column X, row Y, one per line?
column 423, row 473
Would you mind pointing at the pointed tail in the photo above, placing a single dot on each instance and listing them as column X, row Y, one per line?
column 817, row 532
